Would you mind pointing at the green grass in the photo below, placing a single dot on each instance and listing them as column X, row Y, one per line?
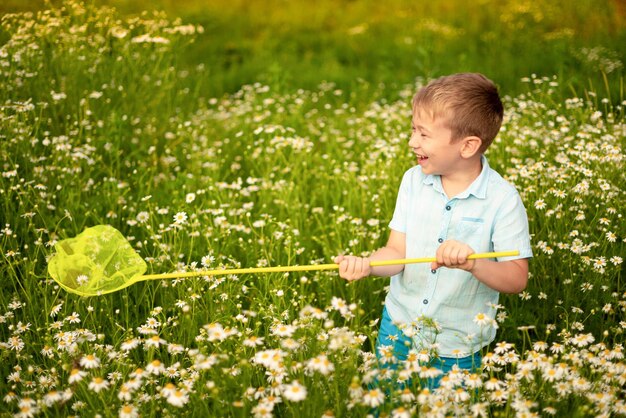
column 292, row 45
column 273, row 166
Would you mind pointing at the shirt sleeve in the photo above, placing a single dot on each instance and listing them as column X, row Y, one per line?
column 511, row 229
column 399, row 220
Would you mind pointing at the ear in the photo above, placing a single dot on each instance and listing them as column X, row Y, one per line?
column 470, row 147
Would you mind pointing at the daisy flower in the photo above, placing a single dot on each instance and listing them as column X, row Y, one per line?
column 178, row 398
column 401, row 412
column 154, row 341
column 373, row 398
column 15, row 343
column 502, row 347
column 283, row 330
column 133, row 383
column 173, row 348
column 97, row 384
column 253, row 341
column 56, row 309
column 263, row 410
column 10, row 397
column 130, row 344
column 460, row 395
column 429, row 372
column 142, row 217
column 128, row 411
column 52, row 397
column 74, row 318
column 27, row 410
column 290, row 344
column 540, row 204
column 90, row 361
column 168, row 390
column 272, row 359
column 320, row 364
column 494, row 384
column 481, row 319
column 473, row 381
column 207, row 260
column 180, row 218
column 76, row 375
column 155, row 367
column 386, row 353
column 125, row 393
column 407, row 396
column 294, row 391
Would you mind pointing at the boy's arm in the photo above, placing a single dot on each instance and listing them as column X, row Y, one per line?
column 355, row 268
column 503, row 276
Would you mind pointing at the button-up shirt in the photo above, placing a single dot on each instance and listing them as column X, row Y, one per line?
column 488, row 216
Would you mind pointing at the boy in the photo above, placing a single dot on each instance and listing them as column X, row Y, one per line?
column 451, row 204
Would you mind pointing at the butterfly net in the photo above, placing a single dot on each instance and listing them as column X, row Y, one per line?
column 99, row 260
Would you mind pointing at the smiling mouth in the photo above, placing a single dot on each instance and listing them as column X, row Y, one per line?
column 421, row 157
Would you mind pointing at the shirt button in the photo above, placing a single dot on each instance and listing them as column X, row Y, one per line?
column 440, row 240
column 433, row 271
column 425, row 301
column 448, row 207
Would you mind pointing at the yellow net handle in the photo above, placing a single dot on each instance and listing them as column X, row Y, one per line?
column 314, row 267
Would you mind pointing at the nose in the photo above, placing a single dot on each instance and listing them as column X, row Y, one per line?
column 414, row 140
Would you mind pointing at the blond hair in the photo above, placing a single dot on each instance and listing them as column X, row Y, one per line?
column 469, row 103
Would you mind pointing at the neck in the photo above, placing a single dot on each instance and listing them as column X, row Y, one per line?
column 459, row 180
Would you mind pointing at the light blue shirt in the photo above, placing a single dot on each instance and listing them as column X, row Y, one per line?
column 488, row 216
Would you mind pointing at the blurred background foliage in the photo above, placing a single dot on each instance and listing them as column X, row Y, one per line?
column 298, row 44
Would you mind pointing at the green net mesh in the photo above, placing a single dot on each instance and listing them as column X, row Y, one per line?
column 97, row 261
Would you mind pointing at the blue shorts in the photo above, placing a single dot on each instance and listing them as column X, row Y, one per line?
column 389, row 334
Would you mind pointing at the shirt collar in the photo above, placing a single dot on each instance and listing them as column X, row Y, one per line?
column 478, row 188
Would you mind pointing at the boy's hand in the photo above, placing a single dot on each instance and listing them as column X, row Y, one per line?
column 453, row 254
column 352, row 267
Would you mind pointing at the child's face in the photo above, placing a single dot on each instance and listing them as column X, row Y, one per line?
column 431, row 142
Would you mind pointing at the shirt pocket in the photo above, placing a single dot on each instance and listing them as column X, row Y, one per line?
column 470, row 231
